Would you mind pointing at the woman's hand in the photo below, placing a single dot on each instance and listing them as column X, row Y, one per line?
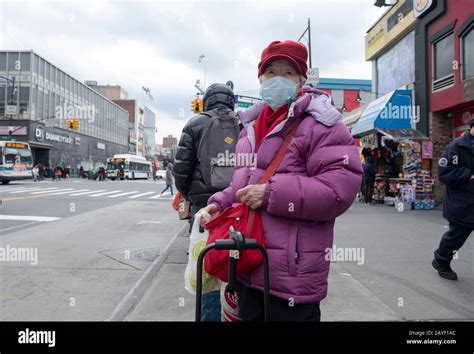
column 208, row 213
column 252, row 195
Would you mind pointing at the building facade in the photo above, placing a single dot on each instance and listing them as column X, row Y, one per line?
column 136, row 126
column 36, row 101
column 150, row 133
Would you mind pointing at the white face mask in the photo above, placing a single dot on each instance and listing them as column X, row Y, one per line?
column 277, row 91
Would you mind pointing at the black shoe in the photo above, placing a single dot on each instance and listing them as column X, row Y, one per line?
column 445, row 272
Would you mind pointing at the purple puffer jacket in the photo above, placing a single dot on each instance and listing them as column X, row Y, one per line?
column 316, row 182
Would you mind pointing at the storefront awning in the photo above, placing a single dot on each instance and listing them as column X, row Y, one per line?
column 36, row 144
column 392, row 111
column 403, row 134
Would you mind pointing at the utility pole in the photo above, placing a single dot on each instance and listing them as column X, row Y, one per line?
column 308, row 29
column 12, row 100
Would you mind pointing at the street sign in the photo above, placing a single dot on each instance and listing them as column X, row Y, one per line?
column 244, row 104
column 11, row 110
column 313, row 76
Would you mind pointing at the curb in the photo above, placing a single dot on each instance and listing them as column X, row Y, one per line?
column 136, row 292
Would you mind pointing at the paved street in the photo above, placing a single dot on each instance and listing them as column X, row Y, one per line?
column 92, row 247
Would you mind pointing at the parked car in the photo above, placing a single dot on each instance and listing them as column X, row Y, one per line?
column 161, row 174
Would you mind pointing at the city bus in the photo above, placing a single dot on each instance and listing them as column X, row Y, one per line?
column 16, row 161
column 127, row 166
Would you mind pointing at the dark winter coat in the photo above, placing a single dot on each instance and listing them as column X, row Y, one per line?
column 455, row 170
column 186, row 171
column 369, row 171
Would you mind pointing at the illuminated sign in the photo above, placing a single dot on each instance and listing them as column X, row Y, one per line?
column 15, row 145
column 420, row 6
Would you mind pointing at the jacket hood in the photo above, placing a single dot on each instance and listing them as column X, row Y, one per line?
column 313, row 102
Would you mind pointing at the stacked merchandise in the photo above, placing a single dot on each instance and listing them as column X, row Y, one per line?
column 424, row 197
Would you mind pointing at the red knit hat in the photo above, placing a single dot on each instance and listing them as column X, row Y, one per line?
column 292, row 51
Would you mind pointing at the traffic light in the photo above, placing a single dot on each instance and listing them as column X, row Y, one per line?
column 75, row 123
column 200, row 105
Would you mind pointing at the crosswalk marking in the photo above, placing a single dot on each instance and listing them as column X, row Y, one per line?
column 121, row 194
column 28, row 218
column 160, row 195
column 24, row 190
column 73, row 191
column 140, row 195
column 101, row 194
column 84, row 193
column 57, row 190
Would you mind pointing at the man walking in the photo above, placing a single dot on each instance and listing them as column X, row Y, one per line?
column 197, row 170
column 456, row 171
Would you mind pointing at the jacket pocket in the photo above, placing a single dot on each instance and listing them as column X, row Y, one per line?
column 292, row 250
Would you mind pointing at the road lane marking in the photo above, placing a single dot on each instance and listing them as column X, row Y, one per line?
column 121, row 194
column 58, row 190
column 18, row 226
column 84, row 193
column 29, row 190
column 101, row 194
column 156, row 196
column 28, row 218
column 140, row 195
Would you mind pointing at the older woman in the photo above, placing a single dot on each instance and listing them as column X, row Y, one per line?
column 317, row 181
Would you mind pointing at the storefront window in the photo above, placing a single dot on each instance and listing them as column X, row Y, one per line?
column 468, row 55
column 443, row 55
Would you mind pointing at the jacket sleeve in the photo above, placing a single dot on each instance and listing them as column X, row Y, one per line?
column 185, row 161
column 334, row 174
column 222, row 199
column 451, row 171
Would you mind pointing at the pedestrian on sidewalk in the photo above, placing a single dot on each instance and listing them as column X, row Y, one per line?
column 169, row 178
column 35, row 172
column 369, row 179
column 316, row 181
column 456, row 171
column 204, row 138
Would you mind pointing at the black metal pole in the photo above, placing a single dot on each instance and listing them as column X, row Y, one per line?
column 266, row 284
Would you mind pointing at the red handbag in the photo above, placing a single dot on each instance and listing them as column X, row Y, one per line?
column 246, row 220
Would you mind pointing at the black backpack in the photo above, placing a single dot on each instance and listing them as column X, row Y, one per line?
column 216, row 150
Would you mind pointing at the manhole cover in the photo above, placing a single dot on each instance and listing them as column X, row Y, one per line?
column 147, row 255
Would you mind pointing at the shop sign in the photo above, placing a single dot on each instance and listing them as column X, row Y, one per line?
column 421, row 6
column 427, row 149
column 101, row 146
column 77, row 140
column 42, row 134
column 39, row 133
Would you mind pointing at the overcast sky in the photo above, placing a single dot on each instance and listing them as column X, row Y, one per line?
column 157, row 43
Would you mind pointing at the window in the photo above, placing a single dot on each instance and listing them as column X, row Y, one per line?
column 467, row 64
column 443, row 57
column 3, row 61
column 13, row 61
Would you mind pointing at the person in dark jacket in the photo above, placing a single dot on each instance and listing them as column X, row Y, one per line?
column 169, row 178
column 369, row 179
column 188, row 177
column 456, row 171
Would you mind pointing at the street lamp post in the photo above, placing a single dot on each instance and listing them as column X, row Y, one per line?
column 201, row 58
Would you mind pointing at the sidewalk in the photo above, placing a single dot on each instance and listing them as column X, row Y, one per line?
column 167, row 300
column 395, row 282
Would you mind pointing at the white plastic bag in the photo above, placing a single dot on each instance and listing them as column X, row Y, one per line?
column 197, row 241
